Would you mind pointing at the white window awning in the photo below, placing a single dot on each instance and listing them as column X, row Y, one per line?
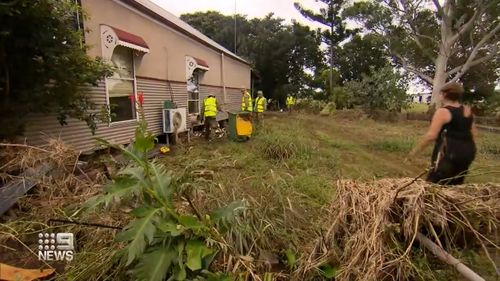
column 112, row 37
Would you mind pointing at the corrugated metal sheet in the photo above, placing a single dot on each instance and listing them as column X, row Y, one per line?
column 233, row 98
column 155, row 93
column 41, row 128
column 76, row 133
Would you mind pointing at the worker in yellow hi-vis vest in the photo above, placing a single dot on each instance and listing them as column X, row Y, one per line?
column 290, row 103
column 246, row 101
column 260, row 107
column 209, row 110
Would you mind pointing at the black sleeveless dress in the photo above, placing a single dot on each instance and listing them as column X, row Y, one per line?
column 454, row 150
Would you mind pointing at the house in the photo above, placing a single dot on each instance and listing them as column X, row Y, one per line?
column 154, row 53
column 421, row 98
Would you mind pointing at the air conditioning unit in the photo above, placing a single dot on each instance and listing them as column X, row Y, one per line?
column 174, row 120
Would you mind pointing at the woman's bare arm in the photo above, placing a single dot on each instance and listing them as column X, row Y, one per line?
column 473, row 131
column 441, row 117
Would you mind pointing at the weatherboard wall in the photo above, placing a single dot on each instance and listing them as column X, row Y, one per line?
column 43, row 128
column 166, row 59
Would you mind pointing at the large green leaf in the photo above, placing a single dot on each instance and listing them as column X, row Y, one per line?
column 196, row 251
column 171, row 228
column 138, row 231
column 155, row 265
column 134, row 172
column 190, row 222
column 162, row 181
column 180, row 272
column 144, row 141
column 121, row 187
column 227, row 213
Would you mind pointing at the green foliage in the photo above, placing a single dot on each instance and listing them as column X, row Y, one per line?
column 279, row 52
column 329, row 109
column 328, row 271
column 44, row 67
column 411, row 33
column 291, row 259
column 360, row 56
column 159, row 241
column 310, row 105
column 383, row 90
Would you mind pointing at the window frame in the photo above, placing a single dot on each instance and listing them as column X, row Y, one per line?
column 134, row 88
column 198, row 80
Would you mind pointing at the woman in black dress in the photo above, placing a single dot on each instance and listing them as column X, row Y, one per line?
column 453, row 129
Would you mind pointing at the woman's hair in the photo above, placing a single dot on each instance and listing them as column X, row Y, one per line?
column 452, row 91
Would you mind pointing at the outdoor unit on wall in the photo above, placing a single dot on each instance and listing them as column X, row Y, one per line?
column 174, row 120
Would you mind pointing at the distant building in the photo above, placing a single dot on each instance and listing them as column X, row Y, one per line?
column 422, row 98
column 155, row 53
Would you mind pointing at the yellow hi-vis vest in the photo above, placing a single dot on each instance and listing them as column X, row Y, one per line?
column 290, row 101
column 210, row 107
column 260, row 104
column 248, row 105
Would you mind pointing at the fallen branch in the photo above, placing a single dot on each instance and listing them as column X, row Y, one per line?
column 447, row 258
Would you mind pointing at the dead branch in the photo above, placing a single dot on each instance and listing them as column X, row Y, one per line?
column 449, row 259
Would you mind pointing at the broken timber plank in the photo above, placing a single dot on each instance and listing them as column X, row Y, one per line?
column 15, row 189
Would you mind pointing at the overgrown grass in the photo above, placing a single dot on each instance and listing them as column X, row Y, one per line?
column 393, row 145
column 288, row 174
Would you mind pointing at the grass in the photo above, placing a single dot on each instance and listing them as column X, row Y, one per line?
column 288, row 174
column 418, row 108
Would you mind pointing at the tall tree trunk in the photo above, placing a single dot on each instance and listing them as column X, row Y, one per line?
column 440, row 76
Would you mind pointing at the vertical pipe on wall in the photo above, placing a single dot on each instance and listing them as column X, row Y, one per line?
column 222, row 78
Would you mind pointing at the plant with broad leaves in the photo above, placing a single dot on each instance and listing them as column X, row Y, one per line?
column 161, row 243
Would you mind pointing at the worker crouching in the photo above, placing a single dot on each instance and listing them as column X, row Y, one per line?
column 210, row 109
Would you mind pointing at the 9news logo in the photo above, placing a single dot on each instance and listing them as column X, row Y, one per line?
column 56, row 246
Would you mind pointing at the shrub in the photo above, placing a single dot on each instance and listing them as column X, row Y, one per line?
column 161, row 241
column 310, row 105
column 383, row 90
column 329, row 109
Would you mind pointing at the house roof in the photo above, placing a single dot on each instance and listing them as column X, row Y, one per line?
column 169, row 19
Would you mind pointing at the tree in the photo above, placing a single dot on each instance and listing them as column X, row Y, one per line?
column 220, row 28
column 43, row 66
column 337, row 32
column 382, row 90
column 437, row 42
column 361, row 55
column 280, row 53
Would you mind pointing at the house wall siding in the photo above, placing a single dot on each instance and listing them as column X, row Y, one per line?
column 42, row 128
column 168, row 48
column 161, row 75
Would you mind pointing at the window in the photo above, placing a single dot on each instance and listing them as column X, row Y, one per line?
column 194, row 92
column 121, row 85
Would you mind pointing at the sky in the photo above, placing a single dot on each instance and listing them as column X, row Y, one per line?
column 251, row 8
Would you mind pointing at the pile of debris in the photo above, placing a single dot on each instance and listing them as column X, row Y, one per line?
column 376, row 230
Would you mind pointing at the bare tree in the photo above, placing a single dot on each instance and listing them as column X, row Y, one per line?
column 439, row 41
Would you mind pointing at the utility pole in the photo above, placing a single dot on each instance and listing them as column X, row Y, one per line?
column 331, row 49
column 235, row 26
